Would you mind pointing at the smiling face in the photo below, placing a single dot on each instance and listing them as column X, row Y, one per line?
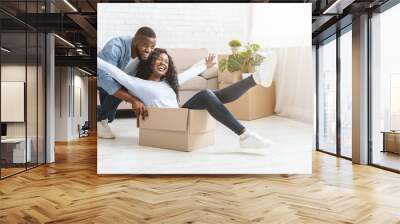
column 143, row 47
column 161, row 65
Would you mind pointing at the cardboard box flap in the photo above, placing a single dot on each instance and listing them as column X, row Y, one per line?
column 173, row 119
column 200, row 121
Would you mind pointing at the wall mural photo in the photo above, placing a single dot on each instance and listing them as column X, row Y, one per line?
column 190, row 89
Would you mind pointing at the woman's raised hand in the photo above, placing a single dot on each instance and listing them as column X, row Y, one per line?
column 210, row 60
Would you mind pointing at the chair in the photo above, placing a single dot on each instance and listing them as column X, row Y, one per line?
column 84, row 130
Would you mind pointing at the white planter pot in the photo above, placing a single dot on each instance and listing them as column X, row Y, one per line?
column 235, row 50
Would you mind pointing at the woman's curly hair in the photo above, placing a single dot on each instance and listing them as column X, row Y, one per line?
column 145, row 68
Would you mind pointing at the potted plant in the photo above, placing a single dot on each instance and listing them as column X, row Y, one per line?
column 245, row 61
column 235, row 45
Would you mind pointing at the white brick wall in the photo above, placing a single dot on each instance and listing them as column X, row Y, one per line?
column 209, row 26
column 212, row 26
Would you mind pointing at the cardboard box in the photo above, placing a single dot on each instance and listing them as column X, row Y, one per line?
column 392, row 142
column 227, row 76
column 177, row 128
column 256, row 103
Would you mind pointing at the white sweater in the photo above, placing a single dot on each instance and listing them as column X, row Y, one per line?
column 151, row 93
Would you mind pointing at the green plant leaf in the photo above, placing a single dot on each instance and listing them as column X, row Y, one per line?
column 255, row 47
column 233, row 64
column 244, row 60
column 258, row 59
column 235, row 43
column 222, row 64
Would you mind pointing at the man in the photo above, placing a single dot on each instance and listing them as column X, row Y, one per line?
column 124, row 53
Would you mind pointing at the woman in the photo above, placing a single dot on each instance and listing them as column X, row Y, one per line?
column 157, row 85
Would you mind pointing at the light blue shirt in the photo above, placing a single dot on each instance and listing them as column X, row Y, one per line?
column 151, row 93
column 117, row 52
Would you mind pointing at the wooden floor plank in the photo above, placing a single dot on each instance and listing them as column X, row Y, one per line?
column 70, row 191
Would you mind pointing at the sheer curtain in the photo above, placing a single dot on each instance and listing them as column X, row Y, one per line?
column 294, row 83
column 290, row 38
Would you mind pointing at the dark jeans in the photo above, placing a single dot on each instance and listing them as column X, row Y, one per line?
column 108, row 106
column 213, row 102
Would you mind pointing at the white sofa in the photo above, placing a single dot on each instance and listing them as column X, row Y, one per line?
column 183, row 59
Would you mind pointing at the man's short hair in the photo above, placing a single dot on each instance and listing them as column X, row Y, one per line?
column 146, row 32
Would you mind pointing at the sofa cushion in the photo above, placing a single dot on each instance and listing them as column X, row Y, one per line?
column 185, row 57
column 212, row 83
column 210, row 73
column 195, row 83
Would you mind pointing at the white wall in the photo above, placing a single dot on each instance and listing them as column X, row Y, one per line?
column 281, row 25
column 80, row 84
column 208, row 25
column 61, row 104
column 177, row 25
column 68, row 82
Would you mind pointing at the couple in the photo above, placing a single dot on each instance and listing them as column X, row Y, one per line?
column 135, row 71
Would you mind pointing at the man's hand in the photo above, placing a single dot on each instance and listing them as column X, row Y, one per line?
column 137, row 105
column 210, row 60
column 139, row 108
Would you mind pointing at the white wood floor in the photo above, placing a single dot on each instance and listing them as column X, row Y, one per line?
column 290, row 152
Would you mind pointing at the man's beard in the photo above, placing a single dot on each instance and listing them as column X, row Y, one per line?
column 137, row 52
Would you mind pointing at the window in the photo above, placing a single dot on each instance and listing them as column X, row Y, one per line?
column 346, row 93
column 395, row 102
column 334, row 138
column 22, row 68
column 327, row 97
column 385, row 89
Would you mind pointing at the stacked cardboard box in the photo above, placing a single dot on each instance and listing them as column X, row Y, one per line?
column 256, row 103
column 392, row 142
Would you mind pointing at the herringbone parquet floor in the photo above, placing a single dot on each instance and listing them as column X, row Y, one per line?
column 70, row 191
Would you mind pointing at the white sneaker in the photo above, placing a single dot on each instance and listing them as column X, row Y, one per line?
column 252, row 140
column 266, row 71
column 103, row 130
